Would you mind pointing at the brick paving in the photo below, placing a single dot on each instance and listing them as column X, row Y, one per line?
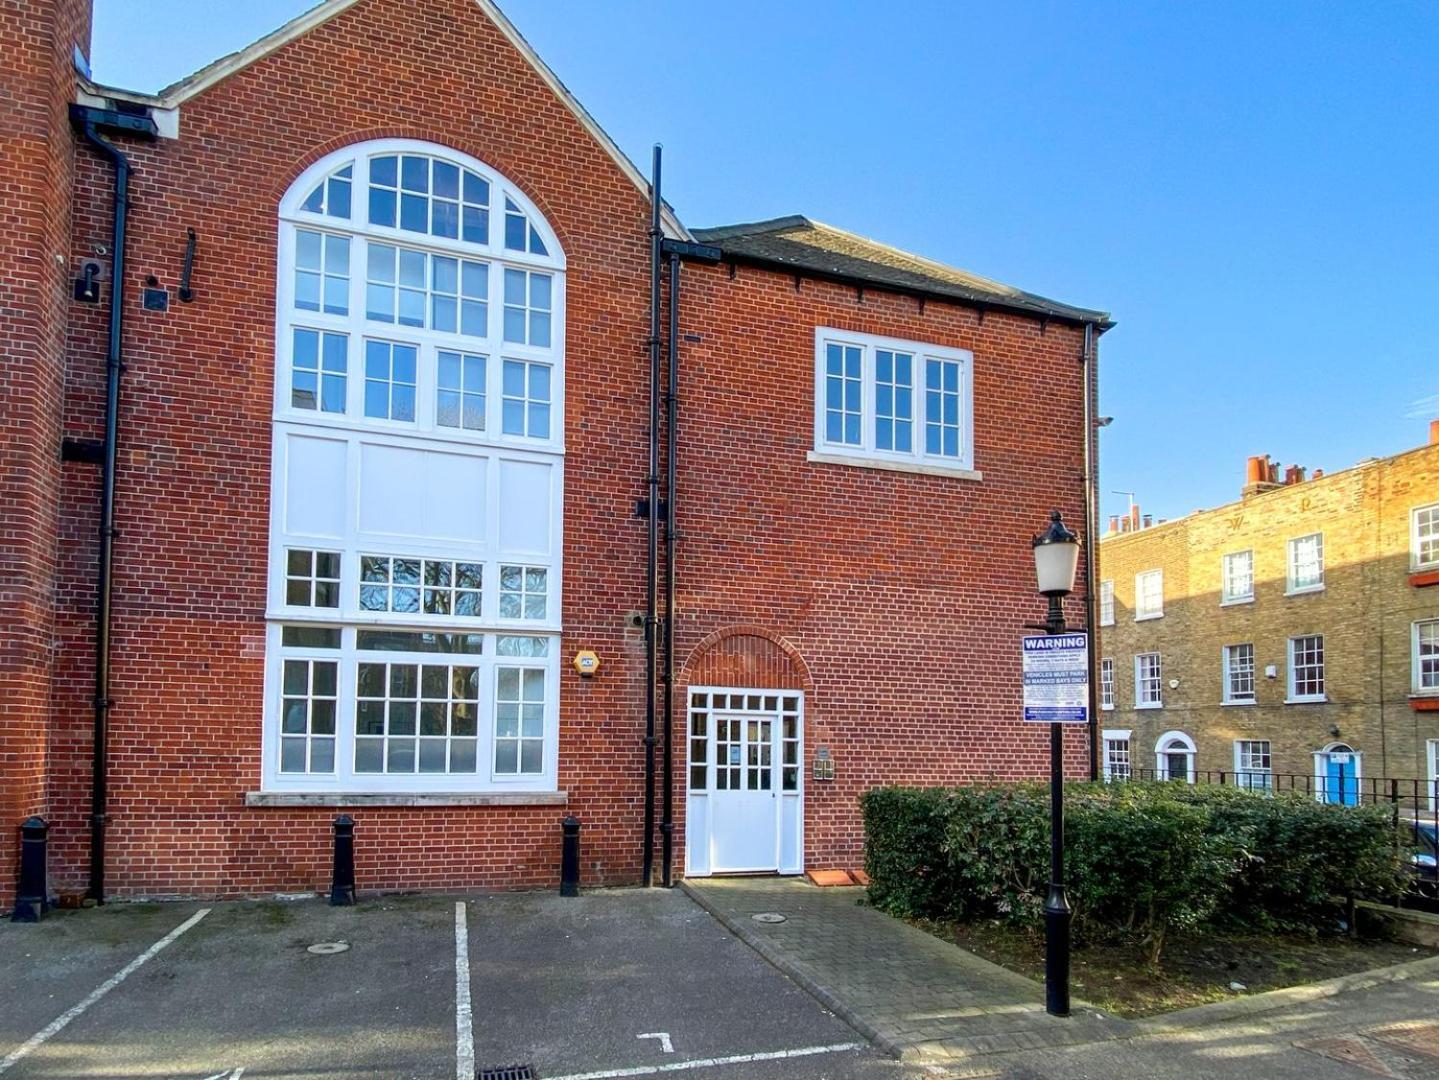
column 915, row 996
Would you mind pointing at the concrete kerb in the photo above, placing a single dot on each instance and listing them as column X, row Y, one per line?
column 1239, row 1008
column 782, row 963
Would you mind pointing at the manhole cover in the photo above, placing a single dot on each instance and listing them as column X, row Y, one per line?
column 768, row 917
column 328, row 948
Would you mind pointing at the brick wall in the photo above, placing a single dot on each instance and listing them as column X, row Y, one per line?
column 903, row 594
column 36, row 85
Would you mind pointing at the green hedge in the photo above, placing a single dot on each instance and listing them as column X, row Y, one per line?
column 1143, row 859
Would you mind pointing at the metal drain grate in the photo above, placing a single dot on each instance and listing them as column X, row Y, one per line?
column 507, row 1072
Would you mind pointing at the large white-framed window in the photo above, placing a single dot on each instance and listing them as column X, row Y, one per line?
column 1238, row 577
column 892, row 403
column 1148, row 595
column 1425, row 660
column 1174, row 757
column 1106, row 603
column 1306, row 564
column 1148, row 681
column 1106, row 682
column 1253, row 767
column 1306, row 669
column 1239, row 674
column 1424, row 537
column 417, row 480
column 1118, row 764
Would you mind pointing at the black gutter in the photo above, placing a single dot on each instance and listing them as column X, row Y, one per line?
column 1097, row 320
column 89, row 121
column 652, row 515
column 1090, row 365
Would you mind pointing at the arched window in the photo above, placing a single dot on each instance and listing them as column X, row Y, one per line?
column 1174, row 757
column 415, row 518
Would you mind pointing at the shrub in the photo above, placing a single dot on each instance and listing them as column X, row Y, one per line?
column 1142, row 859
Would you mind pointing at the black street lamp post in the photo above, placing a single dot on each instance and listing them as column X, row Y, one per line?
column 1056, row 556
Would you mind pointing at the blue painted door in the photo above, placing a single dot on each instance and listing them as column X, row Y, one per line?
column 1341, row 786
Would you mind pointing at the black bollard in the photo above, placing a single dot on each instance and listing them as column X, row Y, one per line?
column 342, row 883
column 570, row 857
column 31, row 900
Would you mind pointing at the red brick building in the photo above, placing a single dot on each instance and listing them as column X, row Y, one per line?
column 381, row 475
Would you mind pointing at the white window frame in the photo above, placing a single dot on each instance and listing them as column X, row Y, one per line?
column 1106, row 602
column 1115, row 735
column 1416, row 665
column 1173, row 742
column 489, row 450
column 1292, row 587
column 1245, row 772
column 345, row 779
column 1106, row 683
column 1141, row 611
column 1227, row 595
column 1227, row 656
column 1139, row 681
column 1415, row 539
column 1295, row 698
column 866, row 453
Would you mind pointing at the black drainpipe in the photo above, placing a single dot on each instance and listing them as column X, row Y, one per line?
column 1090, row 363
column 675, row 250
column 90, row 121
column 652, row 519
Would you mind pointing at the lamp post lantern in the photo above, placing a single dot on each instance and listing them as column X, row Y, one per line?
column 1056, row 557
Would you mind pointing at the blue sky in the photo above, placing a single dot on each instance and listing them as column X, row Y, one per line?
column 1251, row 188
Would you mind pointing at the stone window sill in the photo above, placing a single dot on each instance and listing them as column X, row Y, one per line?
column 406, row 798
column 861, row 462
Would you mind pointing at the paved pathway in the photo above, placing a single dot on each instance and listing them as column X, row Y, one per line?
column 917, row 997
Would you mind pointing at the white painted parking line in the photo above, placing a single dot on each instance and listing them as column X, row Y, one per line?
column 710, row 1063
column 58, row 1024
column 464, row 1014
column 666, row 1043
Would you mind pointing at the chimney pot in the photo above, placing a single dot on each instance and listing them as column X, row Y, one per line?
column 1256, row 470
column 1318, row 473
column 1294, row 475
column 1434, row 432
column 1134, row 518
column 1148, row 520
column 1113, row 523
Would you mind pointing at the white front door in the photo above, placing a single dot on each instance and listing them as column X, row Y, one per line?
column 746, row 804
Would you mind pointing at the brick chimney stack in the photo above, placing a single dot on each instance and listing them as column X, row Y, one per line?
column 1260, row 475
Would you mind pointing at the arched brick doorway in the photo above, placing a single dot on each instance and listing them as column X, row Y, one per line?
column 744, row 693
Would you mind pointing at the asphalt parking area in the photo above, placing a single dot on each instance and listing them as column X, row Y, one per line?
column 613, row 983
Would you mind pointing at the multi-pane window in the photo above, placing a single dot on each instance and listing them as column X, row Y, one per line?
column 789, row 735
column 519, row 720
column 524, row 592
column 1148, row 684
column 332, row 195
column 942, row 407
column 699, row 742
column 843, row 392
column 1149, row 594
column 414, row 717
column 460, row 391
column 440, row 292
column 1252, row 767
column 322, row 272
column 389, row 380
column 1306, row 563
column 422, row 194
column 529, row 304
column 431, row 586
column 520, row 234
column 1238, row 577
column 526, row 399
column 893, row 401
column 308, row 702
column 1306, row 668
column 1426, row 536
column 312, row 578
column 1239, row 674
column 1106, row 683
column 318, row 370
column 1117, row 762
column 1426, row 655
column 1106, row 603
